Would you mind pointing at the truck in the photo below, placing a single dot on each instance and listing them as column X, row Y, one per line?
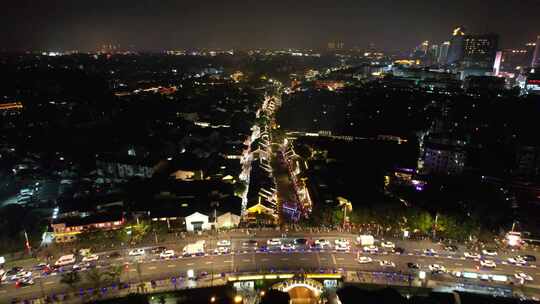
column 196, row 248
column 365, row 240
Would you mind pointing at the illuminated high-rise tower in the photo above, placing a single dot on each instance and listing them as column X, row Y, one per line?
column 536, row 55
column 455, row 51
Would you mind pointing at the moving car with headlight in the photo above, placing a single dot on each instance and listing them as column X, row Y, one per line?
column 523, row 276
column 471, row 255
column 223, row 243
column 167, row 254
column 388, row 245
column 488, row 263
column 364, row 260
column 371, row 249
column 385, row 263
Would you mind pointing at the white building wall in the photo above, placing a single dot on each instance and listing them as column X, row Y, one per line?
column 197, row 221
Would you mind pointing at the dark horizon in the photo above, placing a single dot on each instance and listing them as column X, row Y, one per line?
column 145, row 25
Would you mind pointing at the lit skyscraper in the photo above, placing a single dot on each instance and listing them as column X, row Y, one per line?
column 479, row 51
column 455, row 52
column 443, row 52
column 536, row 55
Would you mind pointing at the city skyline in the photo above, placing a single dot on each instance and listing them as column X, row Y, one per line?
column 144, row 25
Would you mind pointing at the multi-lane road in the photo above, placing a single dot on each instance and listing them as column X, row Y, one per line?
column 250, row 258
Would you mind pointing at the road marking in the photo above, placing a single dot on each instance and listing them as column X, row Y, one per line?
column 152, row 267
column 264, row 259
column 333, row 259
column 190, row 264
column 170, row 265
column 246, row 260
column 133, row 270
column 458, row 264
column 303, row 259
column 209, row 262
column 48, row 283
column 227, row 261
column 284, row 259
column 323, row 259
column 340, row 259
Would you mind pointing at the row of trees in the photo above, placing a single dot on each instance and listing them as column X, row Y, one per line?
column 132, row 234
column 394, row 219
column 94, row 277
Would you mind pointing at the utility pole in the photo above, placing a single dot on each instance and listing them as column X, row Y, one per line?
column 435, row 226
column 27, row 243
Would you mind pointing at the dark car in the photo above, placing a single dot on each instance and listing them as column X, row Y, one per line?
column 41, row 266
column 250, row 243
column 14, row 271
column 412, row 265
column 451, row 248
column 399, row 250
column 158, row 250
column 300, row 241
column 113, row 255
column 529, row 258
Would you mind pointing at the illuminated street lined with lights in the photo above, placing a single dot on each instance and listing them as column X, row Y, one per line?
column 263, row 258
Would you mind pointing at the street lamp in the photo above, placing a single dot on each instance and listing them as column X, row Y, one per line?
column 435, row 226
column 346, row 205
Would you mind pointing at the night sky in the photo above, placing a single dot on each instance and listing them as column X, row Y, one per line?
column 168, row 24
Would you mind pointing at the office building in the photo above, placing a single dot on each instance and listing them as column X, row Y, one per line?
column 515, row 60
column 536, row 55
column 335, row 45
column 472, row 51
column 479, row 51
column 443, row 52
column 455, row 52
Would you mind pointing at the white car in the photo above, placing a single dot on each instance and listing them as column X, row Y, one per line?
column 484, row 277
column 488, row 263
column 342, row 247
column 167, row 254
column 490, row 252
column 224, row 243
column 222, row 250
column 364, row 260
column 288, row 247
column 371, row 249
column 65, row 260
column 437, row 268
column 81, row 266
column 343, row 242
column 388, row 245
column 273, row 242
column 90, row 258
column 322, row 243
column 517, row 261
column 136, row 252
column 523, row 276
column 384, row 263
column 471, row 255
column 20, row 275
